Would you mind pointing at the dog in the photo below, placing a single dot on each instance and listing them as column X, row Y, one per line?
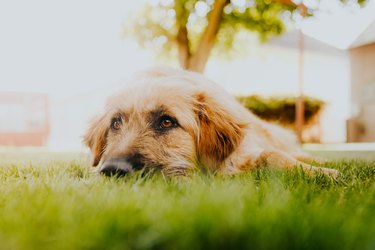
column 179, row 121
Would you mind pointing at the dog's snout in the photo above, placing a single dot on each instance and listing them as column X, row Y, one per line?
column 123, row 166
column 115, row 168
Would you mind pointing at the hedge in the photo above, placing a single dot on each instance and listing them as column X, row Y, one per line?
column 282, row 109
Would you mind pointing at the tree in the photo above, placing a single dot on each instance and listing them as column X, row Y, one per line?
column 194, row 27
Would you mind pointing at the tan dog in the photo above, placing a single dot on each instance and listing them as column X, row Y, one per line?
column 179, row 121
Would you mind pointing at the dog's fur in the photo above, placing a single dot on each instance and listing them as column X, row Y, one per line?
column 210, row 130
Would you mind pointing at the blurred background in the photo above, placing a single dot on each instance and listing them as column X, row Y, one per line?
column 308, row 65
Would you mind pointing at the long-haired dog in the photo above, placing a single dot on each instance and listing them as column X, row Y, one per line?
column 178, row 121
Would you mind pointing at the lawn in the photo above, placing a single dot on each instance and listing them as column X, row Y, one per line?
column 56, row 201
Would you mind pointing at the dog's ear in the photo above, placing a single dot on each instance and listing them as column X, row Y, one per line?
column 220, row 131
column 96, row 138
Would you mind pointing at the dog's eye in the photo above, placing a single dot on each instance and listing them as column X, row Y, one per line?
column 116, row 123
column 167, row 122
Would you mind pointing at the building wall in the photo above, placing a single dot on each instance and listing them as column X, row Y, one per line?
column 361, row 125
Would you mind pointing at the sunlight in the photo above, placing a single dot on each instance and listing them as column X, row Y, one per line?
column 337, row 25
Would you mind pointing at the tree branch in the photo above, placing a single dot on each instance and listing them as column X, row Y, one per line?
column 183, row 46
column 301, row 6
column 182, row 39
column 200, row 57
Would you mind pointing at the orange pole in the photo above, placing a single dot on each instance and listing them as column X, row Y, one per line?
column 300, row 107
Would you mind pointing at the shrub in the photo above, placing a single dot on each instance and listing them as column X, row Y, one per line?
column 282, row 109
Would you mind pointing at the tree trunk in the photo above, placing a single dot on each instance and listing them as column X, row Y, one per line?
column 184, row 54
column 197, row 61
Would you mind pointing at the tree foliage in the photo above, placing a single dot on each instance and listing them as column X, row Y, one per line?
column 192, row 28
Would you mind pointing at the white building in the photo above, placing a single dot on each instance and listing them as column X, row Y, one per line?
column 361, row 126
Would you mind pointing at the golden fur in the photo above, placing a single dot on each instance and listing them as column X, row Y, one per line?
column 177, row 121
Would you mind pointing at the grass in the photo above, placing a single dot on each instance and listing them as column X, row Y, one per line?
column 57, row 202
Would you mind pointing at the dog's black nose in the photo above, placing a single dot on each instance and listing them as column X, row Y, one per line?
column 122, row 166
column 115, row 168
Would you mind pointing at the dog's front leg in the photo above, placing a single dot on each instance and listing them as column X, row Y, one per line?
column 279, row 159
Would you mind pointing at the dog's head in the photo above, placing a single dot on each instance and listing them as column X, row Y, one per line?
column 169, row 119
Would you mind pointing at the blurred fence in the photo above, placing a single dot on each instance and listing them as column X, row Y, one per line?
column 24, row 119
